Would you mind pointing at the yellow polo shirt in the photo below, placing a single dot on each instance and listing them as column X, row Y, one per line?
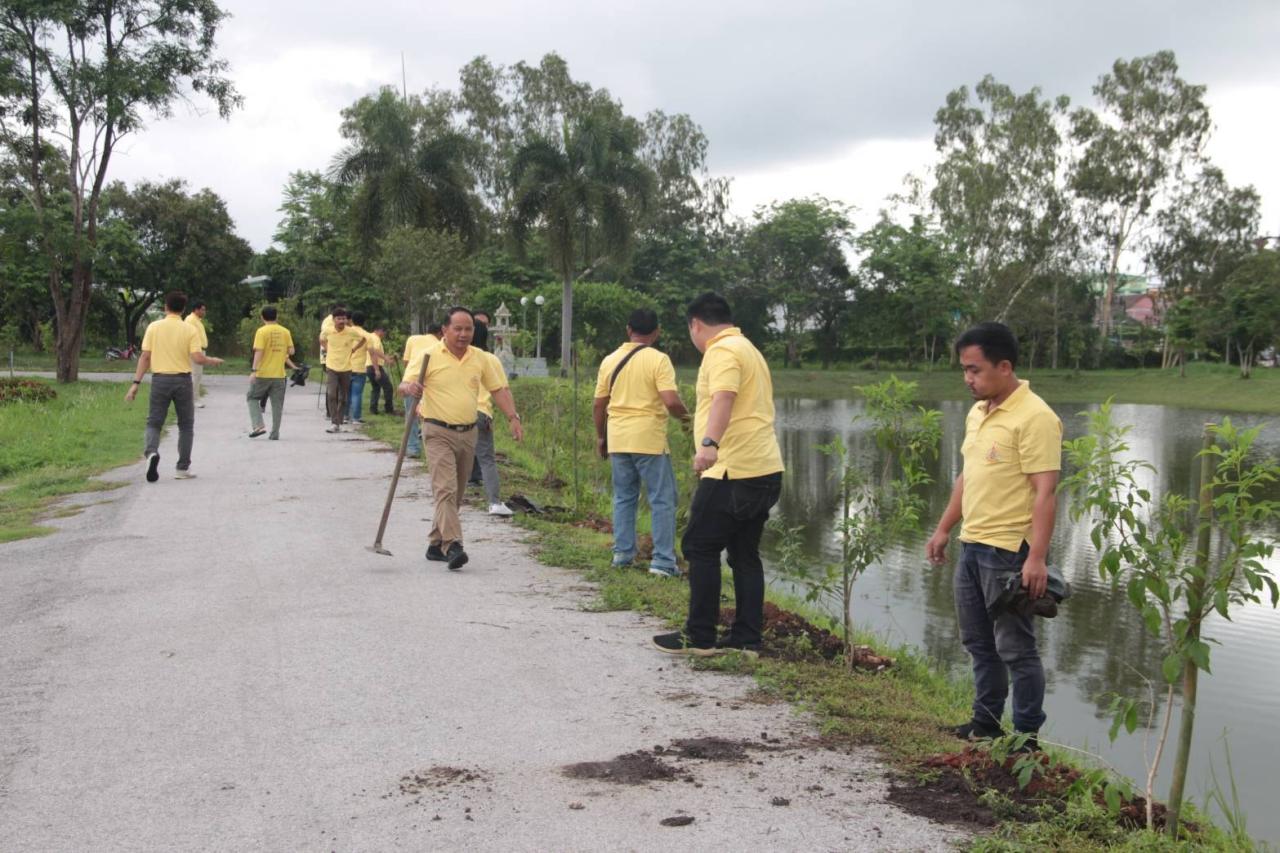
column 749, row 447
column 637, row 416
column 170, row 342
column 484, row 402
column 412, row 346
column 275, row 341
column 198, row 325
column 326, row 326
column 1021, row 436
column 340, row 347
column 452, row 390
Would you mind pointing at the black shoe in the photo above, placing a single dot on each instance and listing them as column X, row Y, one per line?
column 676, row 644
column 257, row 432
column 1029, row 745
column 457, row 557
column 751, row 650
column 434, row 553
column 974, row 730
column 153, row 468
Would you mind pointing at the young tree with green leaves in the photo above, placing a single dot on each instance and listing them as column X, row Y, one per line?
column 1181, row 561
column 1250, row 306
column 77, row 77
column 423, row 271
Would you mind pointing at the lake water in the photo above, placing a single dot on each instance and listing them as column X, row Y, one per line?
column 1097, row 645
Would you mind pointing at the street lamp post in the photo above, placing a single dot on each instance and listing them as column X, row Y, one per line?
column 539, row 300
column 524, row 316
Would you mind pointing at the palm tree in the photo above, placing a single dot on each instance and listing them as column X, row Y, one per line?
column 402, row 172
column 586, row 193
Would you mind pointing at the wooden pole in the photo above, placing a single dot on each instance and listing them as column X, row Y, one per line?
column 395, row 475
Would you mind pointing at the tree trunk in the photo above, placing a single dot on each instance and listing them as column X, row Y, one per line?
column 1182, row 362
column 1053, row 357
column 1246, row 360
column 1190, row 673
column 566, row 322
column 71, row 319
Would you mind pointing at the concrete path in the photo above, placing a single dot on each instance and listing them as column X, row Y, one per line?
column 219, row 664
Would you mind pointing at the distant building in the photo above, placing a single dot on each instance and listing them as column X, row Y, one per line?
column 1137, row 299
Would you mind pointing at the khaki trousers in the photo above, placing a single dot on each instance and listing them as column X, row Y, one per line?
column 449, row 456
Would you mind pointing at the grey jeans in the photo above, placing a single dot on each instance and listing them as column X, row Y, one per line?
column 486, row 461
column 175, row 388
column 262, row 389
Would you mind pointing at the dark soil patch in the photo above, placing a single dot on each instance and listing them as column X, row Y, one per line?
column 634, row 768
column 952, row 792
column 712, row 749
column 790, row 636
column 437, row 777
column 678, row 820
column 596, row 523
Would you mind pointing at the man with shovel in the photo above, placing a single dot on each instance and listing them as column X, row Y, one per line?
column 448, row 410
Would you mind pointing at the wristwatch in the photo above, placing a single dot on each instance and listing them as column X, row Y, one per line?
column 707, row 441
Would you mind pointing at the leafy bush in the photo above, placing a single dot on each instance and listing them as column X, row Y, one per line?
column 26, row 390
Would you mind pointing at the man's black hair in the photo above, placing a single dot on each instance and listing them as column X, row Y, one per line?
column 434, row 328
column 711, row 308
column 454, row 309
column 996, row 340
column 643, row 321
column 480, row 338
column 339, row 311
column 197, row 305
column 175, row 301
column 333, row 309
column 358, row 319
column 269, row 313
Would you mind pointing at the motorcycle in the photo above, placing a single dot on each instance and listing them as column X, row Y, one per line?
column 129, row 353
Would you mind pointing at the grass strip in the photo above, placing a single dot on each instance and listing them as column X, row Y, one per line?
column 53, row 449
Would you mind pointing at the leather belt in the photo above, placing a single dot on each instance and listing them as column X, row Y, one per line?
column 454, row 427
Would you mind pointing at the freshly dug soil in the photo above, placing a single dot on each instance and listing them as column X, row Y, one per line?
column 437, row 777
column 790, row 636
column 634, row 768
column 712, row 749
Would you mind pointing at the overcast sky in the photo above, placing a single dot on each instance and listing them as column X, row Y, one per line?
column 797, row 97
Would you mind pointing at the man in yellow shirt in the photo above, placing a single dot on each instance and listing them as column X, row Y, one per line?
column 169, row 346
column 635, row 390
column 196, row 319
column 412, row 346
column 740, row 468
column 272, row 350
column 456, row 371
column 1007, row 495
column 376, row 373
column 343, row 345
column 326, row 326
column 359, row 370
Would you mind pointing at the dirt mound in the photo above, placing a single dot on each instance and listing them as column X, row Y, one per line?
column 790, row 636
column 437, row 777
column 634, row 768
column 712, row 749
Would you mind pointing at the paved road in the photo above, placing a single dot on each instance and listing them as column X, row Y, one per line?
column 219, row 664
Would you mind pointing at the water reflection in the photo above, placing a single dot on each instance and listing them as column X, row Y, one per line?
column 1097, row 646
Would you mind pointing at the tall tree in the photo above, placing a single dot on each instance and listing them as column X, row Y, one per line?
column 78, row 76
column 159, row 237
column 422, row 270
column 403, row 170
column 584, row 189
column 1000, row 190
column 1145, row 139
column 796, row 251
column 1251, row 306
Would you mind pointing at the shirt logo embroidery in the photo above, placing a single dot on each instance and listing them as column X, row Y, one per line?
column 993, row 455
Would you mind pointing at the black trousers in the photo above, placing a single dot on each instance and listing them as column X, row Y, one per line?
column 727, row 515
column 381, row 384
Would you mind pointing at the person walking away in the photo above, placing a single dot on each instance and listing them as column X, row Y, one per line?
column 359, row 368
column 196, row 320
column 412, row 346
column 485, row 459
column 739, row 465
column 448, row 411
column 635, row 391
column 272, row 351
column 169, row 346
column 326, row 326
column 376, row 373
column 341, row 347
column 1006, row 495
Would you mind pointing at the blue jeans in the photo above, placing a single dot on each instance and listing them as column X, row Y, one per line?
column 659, row 478
column 413, row 449
column 1001, row 647
column 355, row 409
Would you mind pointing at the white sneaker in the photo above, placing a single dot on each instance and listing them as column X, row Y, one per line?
column 199, row 405
column 500, row 509
column 183, row 475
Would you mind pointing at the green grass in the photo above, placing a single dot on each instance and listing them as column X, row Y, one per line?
column 49, row 450
column 1206, row 386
